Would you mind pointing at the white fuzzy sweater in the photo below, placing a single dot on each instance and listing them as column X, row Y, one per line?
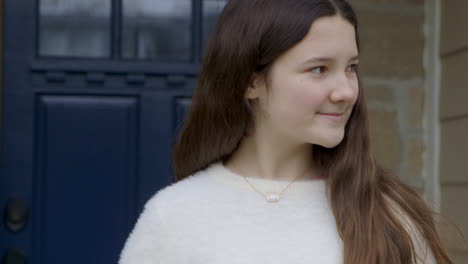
column 214, row 216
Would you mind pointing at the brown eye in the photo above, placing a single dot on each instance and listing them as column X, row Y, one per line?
column 318, row 70
column 353, row 67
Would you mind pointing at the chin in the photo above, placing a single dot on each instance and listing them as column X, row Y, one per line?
column 329, row 145
column 330, row 142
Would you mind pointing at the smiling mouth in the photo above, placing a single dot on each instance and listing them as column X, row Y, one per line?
column 331, row 114
column 337, row 117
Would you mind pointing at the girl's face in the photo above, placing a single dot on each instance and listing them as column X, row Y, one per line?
column 312, row 87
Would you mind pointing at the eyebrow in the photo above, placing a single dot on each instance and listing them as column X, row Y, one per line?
column 327, row 59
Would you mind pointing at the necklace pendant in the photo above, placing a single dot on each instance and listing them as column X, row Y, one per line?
column 273, row 197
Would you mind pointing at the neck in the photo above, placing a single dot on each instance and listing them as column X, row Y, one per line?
column 262, row 159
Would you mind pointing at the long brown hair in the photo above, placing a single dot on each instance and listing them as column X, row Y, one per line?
column 248, row 37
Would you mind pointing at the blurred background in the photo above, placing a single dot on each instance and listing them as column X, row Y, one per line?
column 93, row 92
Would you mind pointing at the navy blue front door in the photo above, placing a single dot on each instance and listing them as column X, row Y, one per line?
column 93, row 94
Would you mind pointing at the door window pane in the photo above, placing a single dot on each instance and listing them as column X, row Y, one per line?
column 211, row 11
column 157, row 29
column 74, row 28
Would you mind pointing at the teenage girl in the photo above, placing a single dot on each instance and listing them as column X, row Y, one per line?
column 274, row 163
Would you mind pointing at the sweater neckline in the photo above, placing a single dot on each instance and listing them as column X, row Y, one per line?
column 220, row 172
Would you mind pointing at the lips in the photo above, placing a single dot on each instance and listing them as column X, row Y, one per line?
column 331, row 114
column 335, row 117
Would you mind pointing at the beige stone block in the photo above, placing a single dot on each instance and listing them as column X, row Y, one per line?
column 392, row 45
column 454, row 151
column 415, row 107
column 380, row 94
column 385, row 139
column 454, row 89
column 453, row 31
column 415, row 158
column 453, row 208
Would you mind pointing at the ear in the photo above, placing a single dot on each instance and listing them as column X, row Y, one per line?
column 255, row 87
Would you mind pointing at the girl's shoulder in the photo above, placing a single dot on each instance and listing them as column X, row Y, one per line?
column 179, row 191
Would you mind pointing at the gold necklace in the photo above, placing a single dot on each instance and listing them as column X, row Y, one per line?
column 271, row 197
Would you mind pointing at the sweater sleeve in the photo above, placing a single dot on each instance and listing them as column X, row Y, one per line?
column 146, row 243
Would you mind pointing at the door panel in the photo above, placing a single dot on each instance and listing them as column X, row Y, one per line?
column 86, row 176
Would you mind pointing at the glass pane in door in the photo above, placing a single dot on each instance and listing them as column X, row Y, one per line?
column 157, row 29
column 71, row 28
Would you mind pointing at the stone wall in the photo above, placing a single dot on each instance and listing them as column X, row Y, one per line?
column 392, row 57
column 392, row 62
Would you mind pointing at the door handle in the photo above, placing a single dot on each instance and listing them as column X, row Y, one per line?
column 14, row 256
column 16, row 214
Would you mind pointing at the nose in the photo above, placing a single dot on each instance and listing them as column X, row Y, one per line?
column 345, row 88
